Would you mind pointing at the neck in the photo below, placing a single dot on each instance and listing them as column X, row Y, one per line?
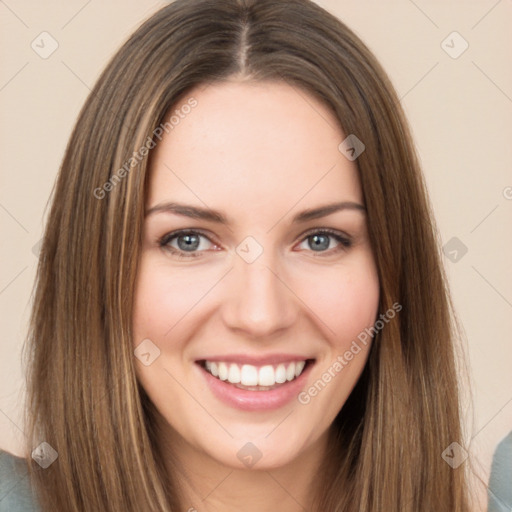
column 206, row 485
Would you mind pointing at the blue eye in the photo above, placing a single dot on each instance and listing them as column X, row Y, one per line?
column 189, row 243
column 320, row 241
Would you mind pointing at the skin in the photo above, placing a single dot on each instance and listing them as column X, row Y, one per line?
column 260, row 153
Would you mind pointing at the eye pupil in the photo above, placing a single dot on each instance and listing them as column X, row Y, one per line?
column 320, row 241
column 191, row 242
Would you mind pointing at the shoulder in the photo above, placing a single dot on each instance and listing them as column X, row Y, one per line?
column 15, row 489
column 500, row 482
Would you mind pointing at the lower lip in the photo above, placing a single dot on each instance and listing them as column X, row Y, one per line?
column 256, row 400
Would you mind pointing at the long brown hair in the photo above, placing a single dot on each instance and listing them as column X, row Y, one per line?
column 83, row 396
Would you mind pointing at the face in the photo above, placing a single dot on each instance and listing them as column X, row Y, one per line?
column 250, row 294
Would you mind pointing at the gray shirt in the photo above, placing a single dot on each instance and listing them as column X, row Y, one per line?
column 500, row 482
column 15, row 490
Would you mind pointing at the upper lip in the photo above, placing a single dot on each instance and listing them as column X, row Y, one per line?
column 256, row 360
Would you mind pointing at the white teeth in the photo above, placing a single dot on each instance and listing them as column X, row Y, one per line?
column 223, row 371
column 299, row 366
column 280, row 374
column 290, row 371
column 266, row 376
column 214, row 369
column 234, row 374
column 249, row 375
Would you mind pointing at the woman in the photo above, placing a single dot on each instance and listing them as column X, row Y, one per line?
column 240, row 301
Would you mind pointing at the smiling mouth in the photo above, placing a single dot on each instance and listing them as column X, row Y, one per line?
column 255, row 378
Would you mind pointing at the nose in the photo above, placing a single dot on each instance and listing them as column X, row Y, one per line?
column 259, row 302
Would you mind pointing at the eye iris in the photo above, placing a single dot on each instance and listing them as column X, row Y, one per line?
column 318, row 243
column 191, row 242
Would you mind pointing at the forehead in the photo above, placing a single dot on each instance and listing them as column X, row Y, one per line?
column 256, row 146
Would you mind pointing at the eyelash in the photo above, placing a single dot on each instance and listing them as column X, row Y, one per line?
column 344, row 241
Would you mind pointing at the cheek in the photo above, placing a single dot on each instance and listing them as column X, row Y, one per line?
column 151, row 315
column 357, row 305
column 163, row 297
column 348, row 307
column 345, row 300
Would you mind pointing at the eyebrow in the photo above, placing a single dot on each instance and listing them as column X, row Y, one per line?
column 212, row 215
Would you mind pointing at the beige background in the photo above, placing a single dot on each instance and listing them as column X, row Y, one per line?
column 459, row 108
